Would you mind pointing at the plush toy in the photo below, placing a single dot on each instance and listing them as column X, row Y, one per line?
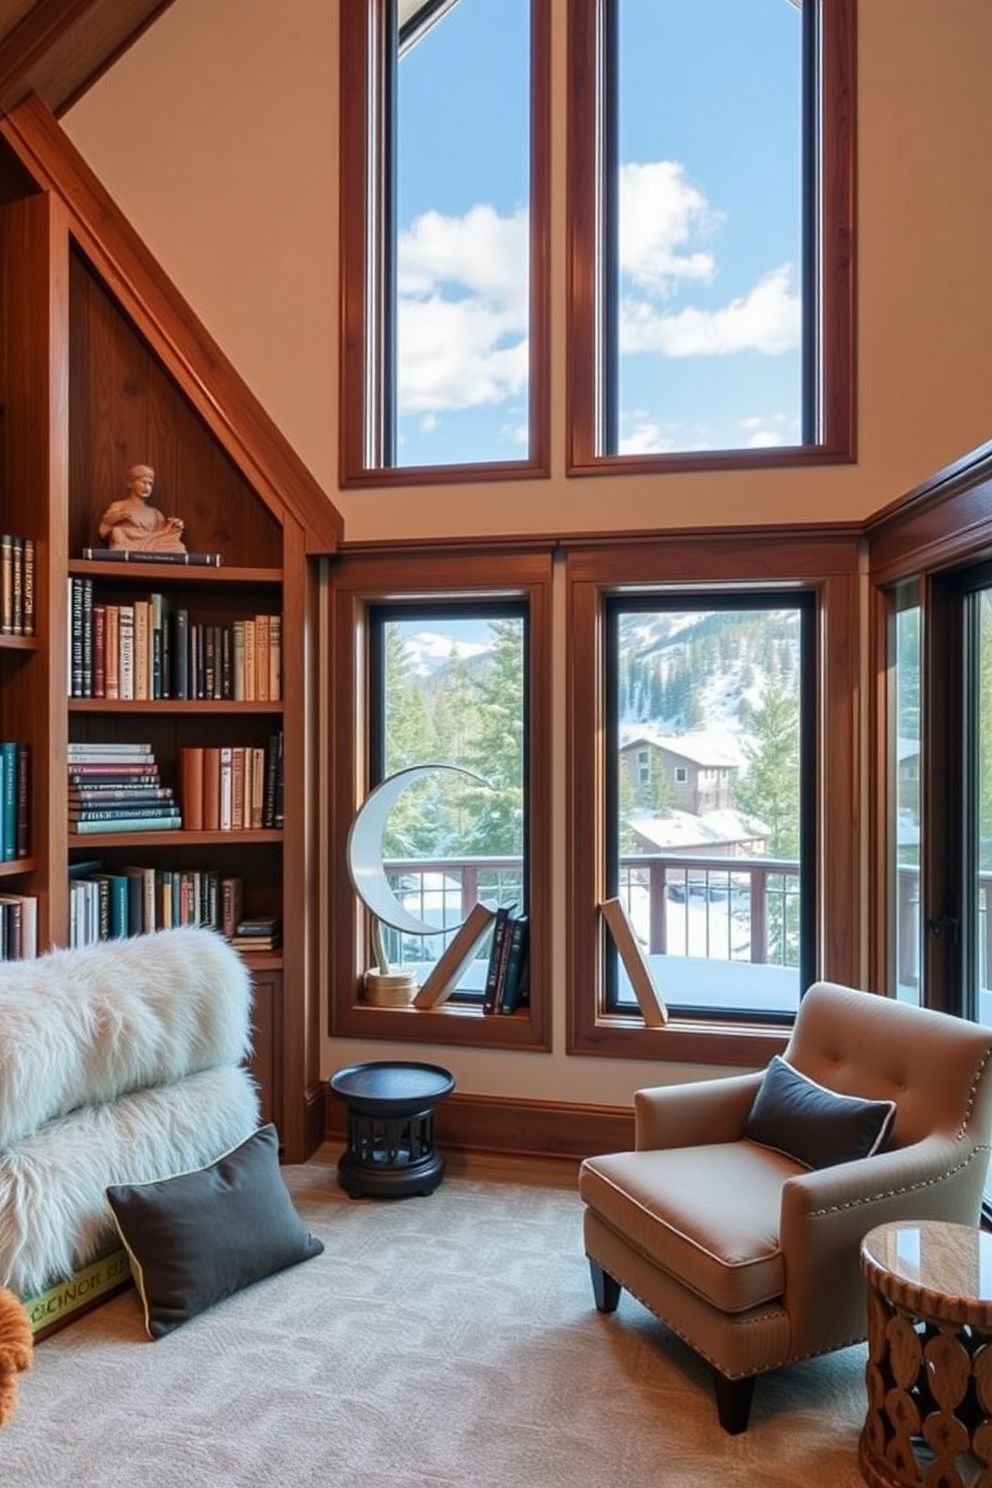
column 16, row 1350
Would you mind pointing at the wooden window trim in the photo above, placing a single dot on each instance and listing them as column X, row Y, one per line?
column 826, row 564
column 364, row 220
column 835, row 211
column 357, row 582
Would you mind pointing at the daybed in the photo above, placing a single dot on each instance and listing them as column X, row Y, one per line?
column 119, row 1063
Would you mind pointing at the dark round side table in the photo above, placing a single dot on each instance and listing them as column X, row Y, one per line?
column 391, row 1151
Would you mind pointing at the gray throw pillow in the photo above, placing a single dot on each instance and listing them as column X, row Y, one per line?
column 817, row 1127
column 198, row 1237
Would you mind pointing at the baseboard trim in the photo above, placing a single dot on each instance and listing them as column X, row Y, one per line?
column 507, row 1125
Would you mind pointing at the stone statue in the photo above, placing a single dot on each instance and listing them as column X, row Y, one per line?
column 133, row 523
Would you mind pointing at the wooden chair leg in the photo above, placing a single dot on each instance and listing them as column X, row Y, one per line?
column 605, row 1290
column 733, row 1401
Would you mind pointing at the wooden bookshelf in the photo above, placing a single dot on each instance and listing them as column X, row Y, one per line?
column 103, row 365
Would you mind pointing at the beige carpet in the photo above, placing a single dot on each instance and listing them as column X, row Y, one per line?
column 438, row 1343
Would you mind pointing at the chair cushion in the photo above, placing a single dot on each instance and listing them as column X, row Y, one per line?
column 816, row 1126
column 708, row 1215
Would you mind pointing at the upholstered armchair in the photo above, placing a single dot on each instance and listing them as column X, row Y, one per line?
column 738, row 1221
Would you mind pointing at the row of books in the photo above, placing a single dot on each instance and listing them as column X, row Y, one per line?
column 147, row 649
column 15, row 800
column 107, row 904
column 506, row 986
column 117, row 788
column 16, row 585
column 232, row 787
column 18, row 927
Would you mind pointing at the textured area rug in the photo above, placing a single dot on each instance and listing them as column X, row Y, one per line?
column 437, row 1343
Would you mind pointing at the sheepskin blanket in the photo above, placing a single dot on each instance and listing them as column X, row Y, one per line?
column 82, row 1027
column 54, row 1215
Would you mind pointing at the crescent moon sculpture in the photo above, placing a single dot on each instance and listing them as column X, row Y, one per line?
column 364, row 849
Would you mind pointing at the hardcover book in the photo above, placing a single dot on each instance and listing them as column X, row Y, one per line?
column 649, row 999
column 132, row 555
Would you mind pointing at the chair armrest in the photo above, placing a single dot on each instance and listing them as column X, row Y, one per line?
column 826, row 1214
column 693, row 1114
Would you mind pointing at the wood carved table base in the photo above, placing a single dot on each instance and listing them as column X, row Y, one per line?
column 929, row 1401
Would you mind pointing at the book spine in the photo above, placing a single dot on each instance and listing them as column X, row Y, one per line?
column 226, row 787
column 87, row 644
column 131, row 555
column 117, row 811
column 128, row 824
column 75, row 637
column 180, row 655
column 192, row 788
column 29, row 586
column 23, row 843
column 7, row 584
column 275, row 658
column 112, row 659
column 8, row 749
column 231, row 895
column 18, row 567
column 250, row 661
column 262, row 642
column 211, row 788
column 99, row 650
column 238, row 659
column 126, row 624
column 509, row 1001
column 495, row 958
column 237, row 787
column 141, row 669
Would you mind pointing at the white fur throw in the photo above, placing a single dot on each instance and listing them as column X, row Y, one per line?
column 81, row 1027
column 54, row 1215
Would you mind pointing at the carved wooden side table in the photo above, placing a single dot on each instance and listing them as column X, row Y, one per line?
column 929, row 1371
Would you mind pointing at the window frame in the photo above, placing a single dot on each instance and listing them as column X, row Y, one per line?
column 829, row 395
column 824, row 563
column 366, row 232
column 357, row 583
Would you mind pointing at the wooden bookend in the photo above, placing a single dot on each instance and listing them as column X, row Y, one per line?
column 650, row 1001
column 443, row 975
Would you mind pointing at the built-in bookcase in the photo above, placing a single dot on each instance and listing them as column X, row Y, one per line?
column 103, row 366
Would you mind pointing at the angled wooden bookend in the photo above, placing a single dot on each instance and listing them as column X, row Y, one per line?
column 649, row 999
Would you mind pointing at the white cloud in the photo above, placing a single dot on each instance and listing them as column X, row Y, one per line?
column 659, row 213
column 767, row 319
column 462, row 314
column 645, row 436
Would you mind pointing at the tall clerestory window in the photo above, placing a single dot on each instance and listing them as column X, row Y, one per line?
column 444, row 146
column 710, row 201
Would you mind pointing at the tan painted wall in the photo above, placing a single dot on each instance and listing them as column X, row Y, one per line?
column 217, row 135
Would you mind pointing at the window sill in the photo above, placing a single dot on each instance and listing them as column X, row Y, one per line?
column 737, row 1045
column 450, row 1024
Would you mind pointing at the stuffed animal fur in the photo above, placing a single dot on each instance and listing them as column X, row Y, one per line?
column 16, row 1350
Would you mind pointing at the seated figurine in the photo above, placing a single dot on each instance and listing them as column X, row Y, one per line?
column 133, row 523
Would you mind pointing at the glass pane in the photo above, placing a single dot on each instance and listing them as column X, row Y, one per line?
column 981, row 941
column 709, row 245
column 708, row 802
column 453, row 693
column 462, row 192
column 908, row 921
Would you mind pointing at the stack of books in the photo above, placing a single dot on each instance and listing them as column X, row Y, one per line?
column 507, row 984
column 263, row 933
column 18, row 927
column 117, row 788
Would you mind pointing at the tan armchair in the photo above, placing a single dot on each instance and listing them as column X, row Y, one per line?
column 748, row 1255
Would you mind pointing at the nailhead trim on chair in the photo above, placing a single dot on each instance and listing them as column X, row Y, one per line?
column 892, row 1193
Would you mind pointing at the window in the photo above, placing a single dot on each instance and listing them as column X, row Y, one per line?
column 714, row 881
column 455, row 673
column 444, row 160
column 736, row 884
column 711, row 170
column 449, row 687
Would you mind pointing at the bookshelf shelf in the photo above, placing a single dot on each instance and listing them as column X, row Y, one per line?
column 101, row 841
column 212, row 706
column 102, row 366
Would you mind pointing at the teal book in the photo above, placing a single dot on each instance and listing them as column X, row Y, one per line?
column 8, row 802
column 129, row 824
column 516, row 959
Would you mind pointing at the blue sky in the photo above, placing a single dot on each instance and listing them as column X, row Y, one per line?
column 710, row 229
